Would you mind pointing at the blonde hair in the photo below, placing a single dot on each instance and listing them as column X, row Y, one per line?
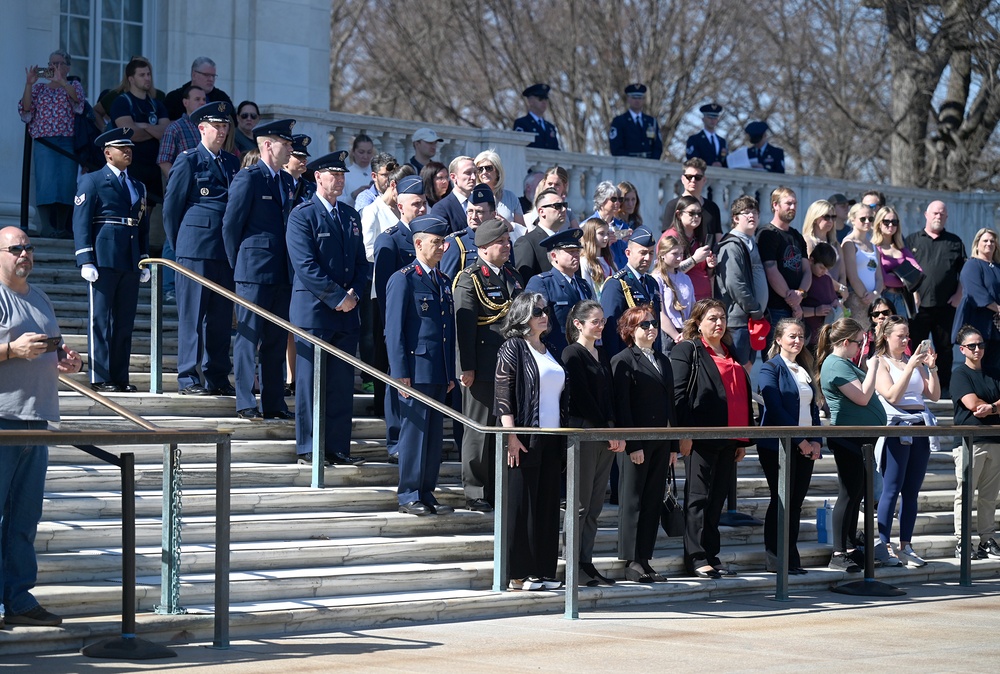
column 878, row 237
column 591, row 252
column 815, row 211
column 490, row 156
column 665, row 245
column 996, row 240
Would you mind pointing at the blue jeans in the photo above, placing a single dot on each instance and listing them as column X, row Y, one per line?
column 741, row 345
column 22, row 483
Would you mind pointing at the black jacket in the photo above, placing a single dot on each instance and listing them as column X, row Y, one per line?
column 592, row 406
column 516, row 388
column 644, row 398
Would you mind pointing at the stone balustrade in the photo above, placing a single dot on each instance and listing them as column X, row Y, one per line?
column 656, row 182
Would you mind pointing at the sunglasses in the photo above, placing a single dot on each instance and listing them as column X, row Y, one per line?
column 890, row 223
column 693, row 214
column 486, row 169
column 854, row 341
column 866, row 219
column 828, row 216
column 558, row 205
column 975, row 346
column 537, row 312
column 880, row 314
column 646, row 325
column 248, row 115
column 614, row 200
column 17, row 250
column 693, row 176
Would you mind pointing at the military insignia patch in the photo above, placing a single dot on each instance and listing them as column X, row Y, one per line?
column 291, row 124
column 204, row 191
column 80, row 199
column 343, row 156
column 613, row 133
column 305, row 140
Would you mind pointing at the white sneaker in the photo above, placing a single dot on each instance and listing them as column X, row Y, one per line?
column 906, row 553
column 551, row 583
column 884, row 555
column 526, row 584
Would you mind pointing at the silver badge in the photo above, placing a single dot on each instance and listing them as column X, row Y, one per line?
column 425, row 306
column 80, row 199
column 204, row 191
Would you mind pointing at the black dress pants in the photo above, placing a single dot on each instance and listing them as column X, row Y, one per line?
column 708, row 470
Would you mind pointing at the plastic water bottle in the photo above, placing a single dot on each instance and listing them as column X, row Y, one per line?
column 821, row 534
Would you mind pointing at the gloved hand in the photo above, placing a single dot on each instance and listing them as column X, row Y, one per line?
column 89, row 273
column 145, row 275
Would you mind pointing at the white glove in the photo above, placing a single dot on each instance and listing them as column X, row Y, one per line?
column 145, row 275
column 89, row 272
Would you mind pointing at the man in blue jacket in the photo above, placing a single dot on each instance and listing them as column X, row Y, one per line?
column 111, row 233
column 253, row 229
column 197, row 194
column 327, row 251
column 420, row 339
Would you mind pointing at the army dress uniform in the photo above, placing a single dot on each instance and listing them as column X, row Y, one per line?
column 327, row 251
column 625, row 289
column 111, row 233
column 483, row 297
column 420, row 340
column 197, row 194
column 634, row 134
column 560, row 291
column 253, row 229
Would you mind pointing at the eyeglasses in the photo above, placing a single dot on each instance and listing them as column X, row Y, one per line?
column 881, row 314
column 854, row 341
column 558, row 205
column 17, row 250
column 597, row 321
column 696, row 177
column 646, row 325
column 866, row 218
column 828, row 216
column 485, row 169
column 975, row 346
column 248, row 115
column 748, row 214
column 890, row 223
column 614, row 200
column 210, row 76
column 53, row 64
column 693, row 214
column 537, row 312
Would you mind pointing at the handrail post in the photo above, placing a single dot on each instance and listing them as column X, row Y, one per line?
column 966, row 459
column 784, row 494
column 572, row 527
column 223, row 482
column 170, row 583
column 156, row 330
column 128, row 545
column 501, row 530
column 319, row 417
column 868, row 452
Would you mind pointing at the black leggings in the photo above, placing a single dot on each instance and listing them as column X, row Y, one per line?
column 851, row 477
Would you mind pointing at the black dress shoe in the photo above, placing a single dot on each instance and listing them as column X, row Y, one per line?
column 344, row 460
column 290, row 389
column 284, row 415
column 394, row 459
column 415, row 508
column 127, row 388
column 105, row 387
column 250, row 414
column 226, row 390
column 307, row 459
column 194, row 390
column 725, row 573
column 479, row 505
column 711, row 573
column 440, row 509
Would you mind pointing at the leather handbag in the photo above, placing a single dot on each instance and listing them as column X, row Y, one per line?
column 909, row 275
column 672, row 513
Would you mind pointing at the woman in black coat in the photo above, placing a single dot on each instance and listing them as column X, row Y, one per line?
column 711, row 389
column 644, row 398
column 530, row 392
column 588, row 375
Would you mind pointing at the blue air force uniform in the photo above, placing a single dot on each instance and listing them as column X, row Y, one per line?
column 197, row 194
column 700, row 145
column 770, row 157
column 633, row 134
column 327, row 252
column 253, row 229
column 623, row 290
column 111, row 232
column 546, row 136
column 420, row 340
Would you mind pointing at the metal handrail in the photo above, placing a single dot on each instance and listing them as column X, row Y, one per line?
column 574, row 437
column 107, row 402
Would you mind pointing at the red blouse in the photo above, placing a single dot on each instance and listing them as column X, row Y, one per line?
column 734, row 381
column 51, row 111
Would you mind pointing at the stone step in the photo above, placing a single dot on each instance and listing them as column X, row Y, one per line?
column 76, row 337
column 297, row 615
column 104, row 596
column 256, row 451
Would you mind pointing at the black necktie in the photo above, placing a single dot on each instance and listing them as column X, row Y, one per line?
column 124, row 185
column 638, row 120
column 222, row 170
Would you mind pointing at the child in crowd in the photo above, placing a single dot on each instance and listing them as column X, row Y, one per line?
column 676, row 290
column 821, row 303
column 596, row 261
